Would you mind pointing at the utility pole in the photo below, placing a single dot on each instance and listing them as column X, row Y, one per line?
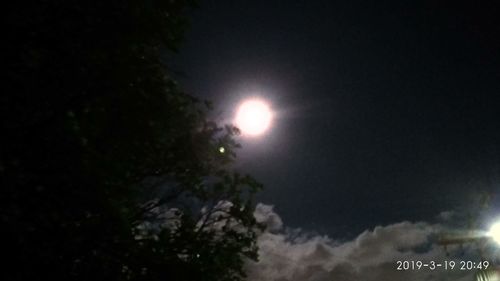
column 491, row 272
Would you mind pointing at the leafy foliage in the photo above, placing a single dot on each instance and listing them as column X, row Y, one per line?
column 101, row 146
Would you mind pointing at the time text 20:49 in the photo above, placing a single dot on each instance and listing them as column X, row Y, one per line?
column 446, row 265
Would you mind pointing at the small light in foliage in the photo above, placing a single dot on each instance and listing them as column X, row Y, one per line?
column 222, row 149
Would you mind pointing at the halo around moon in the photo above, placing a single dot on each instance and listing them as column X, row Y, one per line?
column 253, row 117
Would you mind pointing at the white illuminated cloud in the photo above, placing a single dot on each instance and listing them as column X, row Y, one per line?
column 286, row 255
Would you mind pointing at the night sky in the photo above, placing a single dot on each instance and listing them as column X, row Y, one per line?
column 384, row 111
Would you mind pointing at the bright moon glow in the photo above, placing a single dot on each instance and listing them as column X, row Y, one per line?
column 253, row 117
column 494, row 232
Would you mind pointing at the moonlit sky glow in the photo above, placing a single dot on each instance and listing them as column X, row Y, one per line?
column 380, row 112
column 253, row 117
column 384, row 127
column 377, row 125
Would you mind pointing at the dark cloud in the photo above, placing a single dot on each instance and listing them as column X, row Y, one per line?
column 372, row 255
column 446, row 215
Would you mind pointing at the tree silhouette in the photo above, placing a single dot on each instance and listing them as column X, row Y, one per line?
column 108, row 169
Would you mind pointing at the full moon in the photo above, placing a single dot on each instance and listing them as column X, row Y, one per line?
column 253, row 117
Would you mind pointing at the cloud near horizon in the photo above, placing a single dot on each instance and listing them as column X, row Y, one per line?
column 289, row 255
